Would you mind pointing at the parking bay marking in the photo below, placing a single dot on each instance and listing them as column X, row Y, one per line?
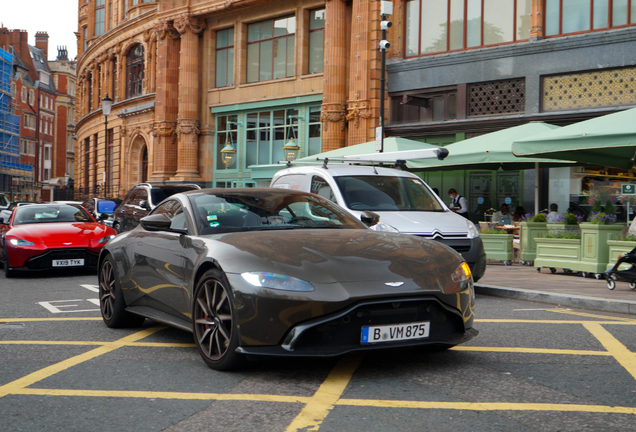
column 58, row 307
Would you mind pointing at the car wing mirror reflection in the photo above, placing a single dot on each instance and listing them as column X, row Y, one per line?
column 369, row 218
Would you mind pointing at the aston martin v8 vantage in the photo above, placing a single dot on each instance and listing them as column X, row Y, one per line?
column 282, row 272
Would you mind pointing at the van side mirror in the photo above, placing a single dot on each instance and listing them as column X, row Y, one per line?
column 369, row 218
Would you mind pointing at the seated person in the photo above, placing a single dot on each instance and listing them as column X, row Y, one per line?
column 502, row 217
column 519, row 213
column 553, row 216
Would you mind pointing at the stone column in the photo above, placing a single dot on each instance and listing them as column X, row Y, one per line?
column 363, row 55
column 94, row 84
column 188, row 119
column 536, row 20
column 333, row 109
column 166, row 101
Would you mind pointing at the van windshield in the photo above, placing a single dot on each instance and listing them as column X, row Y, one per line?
column 384, row 193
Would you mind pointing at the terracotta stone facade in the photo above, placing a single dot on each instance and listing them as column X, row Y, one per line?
column 165, row 120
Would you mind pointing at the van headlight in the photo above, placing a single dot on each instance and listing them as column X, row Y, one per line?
column 381, row 226
column 473, row 232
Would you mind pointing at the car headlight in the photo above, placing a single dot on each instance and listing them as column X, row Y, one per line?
column 381, row 226
column 105, row 239
column 473, row 232
column 277, row 281
column 20, row 242
column 461, row 273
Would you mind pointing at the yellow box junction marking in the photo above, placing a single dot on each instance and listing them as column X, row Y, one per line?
column 329, row 393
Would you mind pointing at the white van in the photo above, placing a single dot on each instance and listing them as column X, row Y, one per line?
column 404, row 202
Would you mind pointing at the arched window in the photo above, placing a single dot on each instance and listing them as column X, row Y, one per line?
column 135, row 71
column 144, row 165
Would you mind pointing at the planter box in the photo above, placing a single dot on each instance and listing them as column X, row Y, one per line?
column 594, row 247
column 498, row 246
column 530, row 231
column 558, row 253
column 616, row 249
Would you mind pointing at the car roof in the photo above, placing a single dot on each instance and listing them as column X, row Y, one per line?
column 341, row 169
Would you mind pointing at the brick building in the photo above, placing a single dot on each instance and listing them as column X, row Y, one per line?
column 38, row 102
column 188, row 77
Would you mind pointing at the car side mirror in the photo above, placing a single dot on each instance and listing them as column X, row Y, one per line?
column 144, row 204
column 159, row 222
column 369, row 218
column 103, row 216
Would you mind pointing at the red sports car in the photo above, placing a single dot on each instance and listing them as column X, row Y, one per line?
column 51, row 236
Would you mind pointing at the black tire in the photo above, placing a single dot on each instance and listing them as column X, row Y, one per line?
column 552, row 270
column 117, row 227
column 8, row 273
column 214, row 323
column 111, row 300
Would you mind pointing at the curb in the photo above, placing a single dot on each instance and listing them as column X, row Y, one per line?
column 583, row 302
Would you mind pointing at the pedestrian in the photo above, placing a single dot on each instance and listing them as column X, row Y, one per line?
column 458, row 204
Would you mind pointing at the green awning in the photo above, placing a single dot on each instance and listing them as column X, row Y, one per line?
column 609, row 140
column 391, row 144
column 491, row 151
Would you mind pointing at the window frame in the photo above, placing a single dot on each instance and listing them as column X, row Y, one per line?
column 273, row 39
column 631, row 5
column 136, row 64
column 229, row 67
column 448, row 29
column 315, row 30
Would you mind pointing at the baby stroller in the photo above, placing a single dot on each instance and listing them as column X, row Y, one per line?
column 628, row 275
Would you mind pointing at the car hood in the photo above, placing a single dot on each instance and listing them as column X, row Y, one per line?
column 333, row 255
column 80, row 234
column 426, row 223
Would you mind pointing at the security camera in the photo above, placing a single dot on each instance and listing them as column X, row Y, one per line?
column 384, row 25
column 384, row 44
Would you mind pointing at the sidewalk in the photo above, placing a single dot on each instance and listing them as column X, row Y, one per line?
column 525, row 283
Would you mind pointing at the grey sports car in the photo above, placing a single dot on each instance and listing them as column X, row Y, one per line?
column 280, row 272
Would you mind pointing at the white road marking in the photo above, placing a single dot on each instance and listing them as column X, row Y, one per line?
column 548, row 309
column 94, row 288
column 57, row 307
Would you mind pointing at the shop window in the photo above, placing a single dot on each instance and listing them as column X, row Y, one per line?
column 445, row 25
column 316, row 40
column 225, row 58
column 315, row 131
column 135, row 71
column 270, row 49
column 572, row 16
column 435, row 105
column 99, row 17
column 267, row 133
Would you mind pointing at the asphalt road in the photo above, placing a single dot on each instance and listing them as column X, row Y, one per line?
column 533, row 367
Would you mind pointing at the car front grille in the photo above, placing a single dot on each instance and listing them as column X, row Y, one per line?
column 45, row 261
column 343, row 333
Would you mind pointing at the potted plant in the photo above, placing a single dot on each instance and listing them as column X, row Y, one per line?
column 531, row 227
column 595, row 233
column 560, row 248
column 497, row 244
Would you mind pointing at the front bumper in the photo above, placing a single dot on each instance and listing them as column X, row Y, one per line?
column 340, row 332
column 45, row 261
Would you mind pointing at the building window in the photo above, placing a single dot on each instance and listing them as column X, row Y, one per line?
column 571, row 16
column 432, row 105
column 135, row 71
column 29, row 121
column 434, row 26
column 24, row 94
column 70, row 145
column 270, row 49
column 267, row 132
column 316, row 40
column 89, row 80
column 315, row 131
column 32, row 97
column 85, row 32
column 225, row 58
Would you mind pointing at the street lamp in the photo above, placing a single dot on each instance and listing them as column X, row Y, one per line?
column 107, row 103
column 386, row 8
column 228, row 154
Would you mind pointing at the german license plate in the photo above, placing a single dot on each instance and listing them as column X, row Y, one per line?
column 68, row 263
column 395, row 332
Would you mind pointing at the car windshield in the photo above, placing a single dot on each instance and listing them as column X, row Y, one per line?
column 385, row 193
column 4, row 201
column 50, row 213
column 158, row 194
column 224, row 212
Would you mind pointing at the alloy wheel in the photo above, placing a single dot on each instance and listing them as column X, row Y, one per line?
column 107, row 289
column 213, row 320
